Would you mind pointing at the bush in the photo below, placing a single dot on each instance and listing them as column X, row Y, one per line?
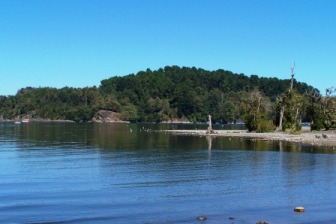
column 265, row 126
column 250, row 123
column 259, row 125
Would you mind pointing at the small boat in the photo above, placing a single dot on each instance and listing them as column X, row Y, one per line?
column 17, row 122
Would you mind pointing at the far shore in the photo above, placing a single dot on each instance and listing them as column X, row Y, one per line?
column 60, row 121
column 37, row 120
column 314, row 138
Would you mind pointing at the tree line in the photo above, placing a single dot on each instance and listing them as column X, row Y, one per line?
column 173, row 93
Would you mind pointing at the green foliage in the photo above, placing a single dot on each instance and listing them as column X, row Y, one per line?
column 294, row 106
column 314, row 112
column 166, row 94
column 257, row 110
column 129, row 113
column 77, row 104
column 265, row 125
column 191, row 92
column 329, row 109
column 317, row 125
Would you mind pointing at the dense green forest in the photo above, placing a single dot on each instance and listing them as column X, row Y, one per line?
column 166, row 94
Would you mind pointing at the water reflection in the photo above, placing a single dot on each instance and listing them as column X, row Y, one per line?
column 131, row 171
column 137, row 136
column 146, row 139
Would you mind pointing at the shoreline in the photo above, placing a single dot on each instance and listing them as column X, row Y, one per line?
column 314, row 138
column 38, row 121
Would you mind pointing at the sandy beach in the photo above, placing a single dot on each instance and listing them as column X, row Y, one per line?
column 314, row 138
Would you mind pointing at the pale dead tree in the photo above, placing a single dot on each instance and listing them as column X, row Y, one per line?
column 282, row 99
column 292, row 77
column 282, row 111
column 297, row 106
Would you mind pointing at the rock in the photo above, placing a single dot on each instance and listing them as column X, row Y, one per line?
column 105, row 116
column 299, row 209
column 262, row 222
column 201, row 218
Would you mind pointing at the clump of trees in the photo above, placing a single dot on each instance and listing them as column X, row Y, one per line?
column 258, row 112
column 329, row 109
column 176, row 92
column 291, row 109
column 77, row 104
column 173, row 93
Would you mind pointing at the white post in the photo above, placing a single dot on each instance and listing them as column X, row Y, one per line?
column 209, row 131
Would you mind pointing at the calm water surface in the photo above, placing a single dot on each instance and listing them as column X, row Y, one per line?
column 128, row 173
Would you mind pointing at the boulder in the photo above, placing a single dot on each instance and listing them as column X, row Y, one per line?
column 106, row 116
column 262, row 222
column 299, row 209
column 201, row 218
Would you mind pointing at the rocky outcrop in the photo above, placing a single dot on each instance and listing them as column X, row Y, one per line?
column 105, row 116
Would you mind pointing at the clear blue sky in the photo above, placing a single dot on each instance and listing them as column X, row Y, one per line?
column 78, row 43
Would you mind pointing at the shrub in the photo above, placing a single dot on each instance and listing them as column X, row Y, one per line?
column 265, row 126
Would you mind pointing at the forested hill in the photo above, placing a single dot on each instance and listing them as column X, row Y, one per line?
column 169, row 93
column 177, row 92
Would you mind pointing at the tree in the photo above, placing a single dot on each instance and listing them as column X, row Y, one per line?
column 314, row 112
column 257, row 110
column 290, row 108
column 329, row 108
column 294, row 105
column 169, row 93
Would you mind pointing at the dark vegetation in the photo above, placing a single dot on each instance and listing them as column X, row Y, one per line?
column 175, row 93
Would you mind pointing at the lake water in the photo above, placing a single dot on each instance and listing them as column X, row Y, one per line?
column 129, row 173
